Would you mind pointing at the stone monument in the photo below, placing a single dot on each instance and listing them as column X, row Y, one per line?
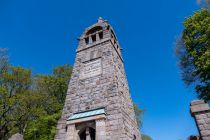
column 98, row 104
column 201, row 112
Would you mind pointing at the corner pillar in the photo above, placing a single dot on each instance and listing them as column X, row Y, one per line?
column 100, row 129
column 90, row 39
column 87, row 134
column 97, row 36
column 71, row 132
column 201, row 113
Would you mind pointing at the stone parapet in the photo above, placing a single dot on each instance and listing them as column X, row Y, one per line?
column 201, row 113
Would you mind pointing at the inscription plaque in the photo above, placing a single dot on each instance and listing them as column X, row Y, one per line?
column 91, row 69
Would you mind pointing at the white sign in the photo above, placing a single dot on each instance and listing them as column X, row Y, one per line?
column 91, row 69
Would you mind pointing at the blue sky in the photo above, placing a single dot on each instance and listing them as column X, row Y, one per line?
column 41, row 34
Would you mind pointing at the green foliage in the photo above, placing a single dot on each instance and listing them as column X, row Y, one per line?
column 15, row 82
column 55, row 85
column 6, row 117
column 204, row 3
column 3, row 62
column 145, row 137
column 138, row 114
column 28, row 103
column 42, row 129
column 194, row 54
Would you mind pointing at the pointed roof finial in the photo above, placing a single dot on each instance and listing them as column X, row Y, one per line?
column 100, row 20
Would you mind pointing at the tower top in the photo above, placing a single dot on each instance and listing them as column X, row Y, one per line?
column 98, row 33
column 100, row 20
column 101, row 24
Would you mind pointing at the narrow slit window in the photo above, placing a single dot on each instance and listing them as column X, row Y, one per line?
column 101, row 35
column 115, row 41
column 93, row 38
column 87, row 40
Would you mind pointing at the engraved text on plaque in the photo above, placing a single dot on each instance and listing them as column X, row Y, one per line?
column 91, row 69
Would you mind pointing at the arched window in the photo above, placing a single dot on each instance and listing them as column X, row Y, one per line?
column 94, row 34
column 94, row 29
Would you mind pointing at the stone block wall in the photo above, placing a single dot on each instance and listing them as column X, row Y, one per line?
column 201, row 113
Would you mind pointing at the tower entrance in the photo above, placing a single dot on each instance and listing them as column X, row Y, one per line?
column 87, row 134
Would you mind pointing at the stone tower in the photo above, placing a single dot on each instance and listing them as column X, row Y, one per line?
column 98, row 103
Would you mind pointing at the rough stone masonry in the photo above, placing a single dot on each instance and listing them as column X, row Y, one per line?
column 98, row 103
column 201, row 112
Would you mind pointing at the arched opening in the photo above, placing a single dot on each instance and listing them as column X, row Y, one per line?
column 87, row 134
column 94, row 29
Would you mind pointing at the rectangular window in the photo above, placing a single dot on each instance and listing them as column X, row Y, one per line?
column 87, row 40
column 101, row 35
column 93, row 38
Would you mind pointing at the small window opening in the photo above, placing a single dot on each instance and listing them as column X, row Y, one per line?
column 115, row 41
column 66, row 128
column 101, row 35
column 134, row 137
column 87, row 40
column 93, row 38
column 112, row 36
column 108, row 27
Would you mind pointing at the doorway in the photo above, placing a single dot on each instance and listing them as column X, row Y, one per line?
column 88, row 134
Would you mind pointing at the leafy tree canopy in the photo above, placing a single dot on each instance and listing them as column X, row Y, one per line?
column 139, row 114
column 204, row 3
column 3, row 62
column 25, row 99
column 54, row 87
column 194, row 53
column 42, row 129
column 145, row 137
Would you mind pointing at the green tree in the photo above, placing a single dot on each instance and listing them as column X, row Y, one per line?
column 6, row 119
column 204, row 3
column 139, row 118
column 15, row 81
column 193, row 51
column 139, row 114
column 145, row 137
column 3, row 62
column 55, row 85
column 28, row 102
column 42, row 129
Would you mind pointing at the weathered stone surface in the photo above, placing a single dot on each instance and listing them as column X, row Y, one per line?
column 99, row 80
column 197, row 102
column 199, row 107
column 201, row 112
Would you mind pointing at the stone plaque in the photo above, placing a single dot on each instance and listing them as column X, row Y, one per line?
column 91, row 69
